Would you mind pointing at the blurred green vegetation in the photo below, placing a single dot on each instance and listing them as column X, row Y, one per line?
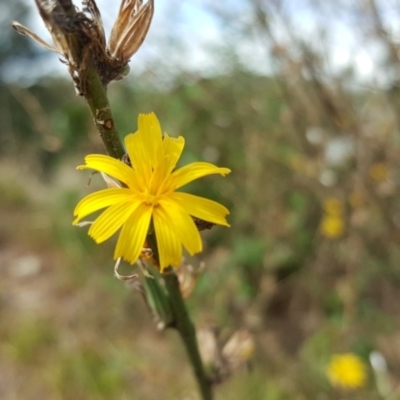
column 305, row 285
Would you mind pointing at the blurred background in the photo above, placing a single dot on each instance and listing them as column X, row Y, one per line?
column 301, row 100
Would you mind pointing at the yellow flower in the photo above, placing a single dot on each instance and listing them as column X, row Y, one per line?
column 333, row 206
column 347, row 371
column 149, row 197
column 332, row 226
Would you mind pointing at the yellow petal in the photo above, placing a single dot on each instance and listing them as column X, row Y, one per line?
column 111, row 220
column 172, row 151
column 194, row 171
column 145, row 146
column 151, row 135
column 139, row 156
column 202, row 208
column 169, row 246
column 112, row 167
column 133, row 234
column 182, row 224
column 98, row 200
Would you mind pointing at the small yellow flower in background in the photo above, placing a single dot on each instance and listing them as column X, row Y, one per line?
column 332, row 226
column 150, row 197
column 347, row 371
column 333, row 206
column 379, row 171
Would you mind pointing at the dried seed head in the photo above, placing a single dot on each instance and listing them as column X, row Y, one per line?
column 130, row 29
column 78, row 36
column 224, row 360
column 238, row 349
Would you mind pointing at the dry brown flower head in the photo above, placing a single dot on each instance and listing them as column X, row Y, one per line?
column 78, row 36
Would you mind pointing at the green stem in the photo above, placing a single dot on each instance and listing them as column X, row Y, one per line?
column 187, row 332
column 183, row 324
column 97, row 100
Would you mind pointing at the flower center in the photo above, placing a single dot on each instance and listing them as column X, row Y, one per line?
column 151, row 200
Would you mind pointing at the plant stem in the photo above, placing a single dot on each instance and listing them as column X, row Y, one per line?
column 97, row 100
column 187, row 332
column 183, row 324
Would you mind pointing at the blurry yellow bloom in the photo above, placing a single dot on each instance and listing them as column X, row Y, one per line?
column 347, row 371
column 332, row 226
column 333, row 206
column 379, row 171
column 150, row 197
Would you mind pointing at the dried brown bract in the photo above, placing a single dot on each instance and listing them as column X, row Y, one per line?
column 130, row 29
column 221, row 359
column 188, row 277
column 202, row 225
column 78, row 36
